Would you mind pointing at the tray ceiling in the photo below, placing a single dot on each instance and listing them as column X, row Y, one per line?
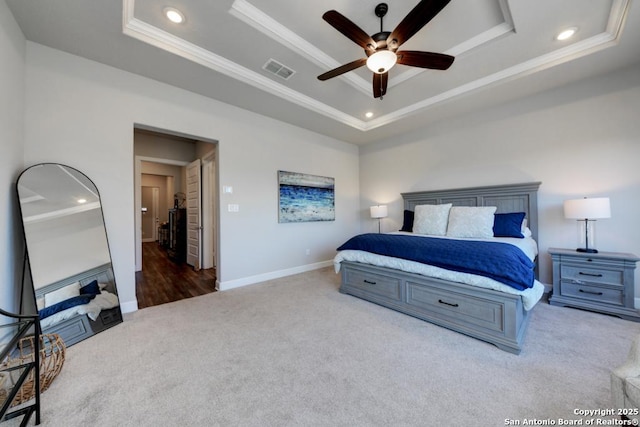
column 504, row 49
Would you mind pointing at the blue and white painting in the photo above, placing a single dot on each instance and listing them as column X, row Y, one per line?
column 305, row 198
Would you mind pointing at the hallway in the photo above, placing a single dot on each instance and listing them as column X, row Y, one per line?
column 162, row 281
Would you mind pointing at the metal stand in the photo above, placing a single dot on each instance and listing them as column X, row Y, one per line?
column 586, row 249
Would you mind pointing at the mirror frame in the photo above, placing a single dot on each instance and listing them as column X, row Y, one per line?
column 83, row 323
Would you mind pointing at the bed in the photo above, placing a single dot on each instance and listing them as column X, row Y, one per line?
column 79, row 306
column 479, row 306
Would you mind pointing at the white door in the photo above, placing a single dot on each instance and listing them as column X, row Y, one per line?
column 208, row 214
column 193, row 214
column 150, row 199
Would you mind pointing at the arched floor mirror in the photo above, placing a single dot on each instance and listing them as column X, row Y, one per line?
column 68, row 252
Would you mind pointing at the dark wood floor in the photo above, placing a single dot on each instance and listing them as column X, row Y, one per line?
column 162, row 280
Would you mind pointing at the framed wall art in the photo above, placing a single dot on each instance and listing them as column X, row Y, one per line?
column 305, row 198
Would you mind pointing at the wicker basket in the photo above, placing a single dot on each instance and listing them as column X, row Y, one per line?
column 52, row 351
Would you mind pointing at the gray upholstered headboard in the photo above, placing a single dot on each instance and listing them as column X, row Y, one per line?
column 507, row 198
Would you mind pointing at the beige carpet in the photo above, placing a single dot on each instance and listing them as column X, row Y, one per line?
column 296, row 352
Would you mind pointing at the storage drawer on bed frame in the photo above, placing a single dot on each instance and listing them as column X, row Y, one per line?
column 491, row 316
column 376, row 285
column 456, row 308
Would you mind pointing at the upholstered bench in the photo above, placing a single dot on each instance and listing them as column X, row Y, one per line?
column 625, row 384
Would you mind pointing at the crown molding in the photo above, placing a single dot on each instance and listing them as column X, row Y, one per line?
column 243, row 10
column 161, row 39
column 47, row 216
column 257, row 19
column 540, row 63
column 254, row 17
column 485, row 37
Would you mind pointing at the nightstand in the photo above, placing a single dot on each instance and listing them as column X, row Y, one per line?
column 602, row 282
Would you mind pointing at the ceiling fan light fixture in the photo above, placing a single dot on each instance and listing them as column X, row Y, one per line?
column 381, row 61
column 173, row 15
column 381, row 58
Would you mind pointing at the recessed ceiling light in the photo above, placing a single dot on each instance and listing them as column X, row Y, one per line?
column 565, row 34
column 82, row 201
column 174, row 15
column 368, row 114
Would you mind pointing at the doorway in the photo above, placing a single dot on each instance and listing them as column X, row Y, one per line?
column 176, row 244
column 162, row 280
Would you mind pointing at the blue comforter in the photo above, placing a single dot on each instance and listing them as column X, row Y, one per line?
column 499, row 261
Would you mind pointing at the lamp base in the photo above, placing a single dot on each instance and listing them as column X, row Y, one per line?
column 587, row 250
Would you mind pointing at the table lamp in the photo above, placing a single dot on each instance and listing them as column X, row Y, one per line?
column 379, row 212
column 587, row 211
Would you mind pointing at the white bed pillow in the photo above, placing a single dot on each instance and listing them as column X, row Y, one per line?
column 431, row 219
column 471, row 221
column 69, row 291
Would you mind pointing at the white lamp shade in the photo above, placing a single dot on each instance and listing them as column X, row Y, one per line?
column 379, row 211
column 595, row 208
column 381, row 61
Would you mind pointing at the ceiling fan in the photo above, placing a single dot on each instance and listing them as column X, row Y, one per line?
column 382, row 48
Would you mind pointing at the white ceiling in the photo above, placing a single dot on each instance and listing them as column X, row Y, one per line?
column 504, row 49
column 49, row 191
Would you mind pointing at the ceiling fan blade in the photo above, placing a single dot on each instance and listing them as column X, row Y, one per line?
column 419, row 16
column 349, row 29
column 434, row 61
column 343, row 69
column 380, row 84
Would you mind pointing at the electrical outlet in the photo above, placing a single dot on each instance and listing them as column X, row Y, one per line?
column 308, row 251
column 233, row 208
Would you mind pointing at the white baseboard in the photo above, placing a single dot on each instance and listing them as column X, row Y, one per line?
column 129, row 306
column 237, row 283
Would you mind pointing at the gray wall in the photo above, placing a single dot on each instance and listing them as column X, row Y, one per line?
column 97, row 138
column 12, row 87
column 579, row 140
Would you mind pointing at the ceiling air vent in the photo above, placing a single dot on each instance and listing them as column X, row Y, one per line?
column 274, row 67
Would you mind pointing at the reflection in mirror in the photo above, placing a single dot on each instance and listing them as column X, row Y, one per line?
column 68, row 252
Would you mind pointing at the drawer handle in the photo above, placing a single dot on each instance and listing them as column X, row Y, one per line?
column 447, row 303
column 589, row 292
column 590, row 274
column 369, row 282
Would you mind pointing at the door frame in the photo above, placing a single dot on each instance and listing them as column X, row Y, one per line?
column 137, row 177
column 137, row 186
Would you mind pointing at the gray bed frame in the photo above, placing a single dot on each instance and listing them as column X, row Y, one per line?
column 488, row 315
column 80, row 327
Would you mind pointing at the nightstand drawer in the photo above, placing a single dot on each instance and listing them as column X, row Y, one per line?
column 601, row 281
column 585, row 274
column 592, row 293
column 377, row 284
